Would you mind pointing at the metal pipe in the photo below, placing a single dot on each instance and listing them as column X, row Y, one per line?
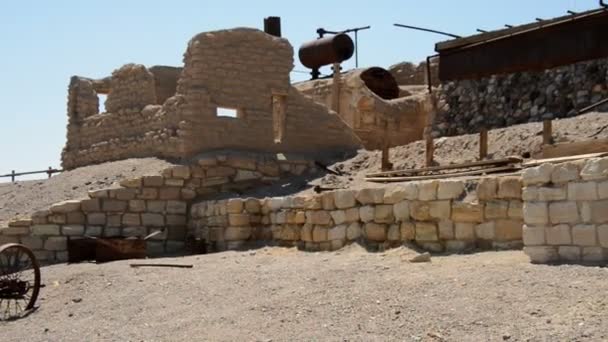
column 428, row 30
column 508, row 26
column 571, row 12
column 590, row 107
column 428, row 73
column 481, row 31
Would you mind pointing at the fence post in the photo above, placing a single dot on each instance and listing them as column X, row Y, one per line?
column 13, row 176
column 50, row 172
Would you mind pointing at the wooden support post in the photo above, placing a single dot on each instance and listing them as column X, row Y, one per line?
column 430, row 150
column 335, row 92
column 547, row 132
column 483, row 144
column 429, row 147
column 13, row 176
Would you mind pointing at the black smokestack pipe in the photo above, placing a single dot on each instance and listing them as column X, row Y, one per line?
column 272, row 26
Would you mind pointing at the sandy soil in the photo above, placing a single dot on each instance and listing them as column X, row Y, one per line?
column 25, row 197
column 277, row 294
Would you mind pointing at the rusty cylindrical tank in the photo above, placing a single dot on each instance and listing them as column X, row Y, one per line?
column 380, row 82
column 328, row 50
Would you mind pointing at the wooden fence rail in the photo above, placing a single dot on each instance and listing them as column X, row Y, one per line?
column 48, row 171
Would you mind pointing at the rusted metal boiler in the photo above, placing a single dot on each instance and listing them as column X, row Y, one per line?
column 325, row 51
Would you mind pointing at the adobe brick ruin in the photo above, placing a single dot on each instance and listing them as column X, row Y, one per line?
column 176, row 113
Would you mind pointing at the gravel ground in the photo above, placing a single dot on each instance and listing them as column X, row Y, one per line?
column 22, row 198
column 279, row 294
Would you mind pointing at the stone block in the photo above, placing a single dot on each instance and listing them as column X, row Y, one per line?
column 300, row 217
column 131, row 219
column 394, row 232
column 427, row 190
column 467, row 212
column 131, row 183
column 314, row 202
column 351, row 214
column 178, row 207
column 464, row 231
column 338, row 216
column 383, row 213
column 148, row 194
column 112, row 205
column 76, row 217
column 181, row 171
column 508, row 230
column 337, row 232
column 440, row 209
column 14, row 231
column 153, row 181
column 446, row 230
column 174, row 182
column 353, row 231
column 487, row 188
column 4, row 239
column 486, row 231
column 450, row 189
column 32, row 242
column 246, row 175
column 536, row 213
column 123, row 194
column 586, row 191
column 599, row 211
column 434, row 247
column 237, row 233
column 252, row 206
column 496, row 209
column 336, row 244
column 169, row 193
column 134, row 231
column 90, row 205
column 238, row 219
column 537, row 193
column 420, row 211
column 558, row 235
column 564, row 173
column 584, row 235
column 426, row 231
column 20, row 222
column 94, row 231
column 541, row 254
column 515, row 209
column 509, row 187
column 319, row 234
column 401, row 211
column 327, row 201
column 408, row 231
column 370, row 196
column 318, row 217
column 72, row 230
column 156, row 206
column 458, row 246
column 137, row 206
column 98, row 194
column 563, row 212
column 394, row 194
column 534, row 235
column 114, row 220
column 45, row 229
column 594, row 169
column 375, row 231
column 306, row 232
column 537, row 175
column 602, row 234
column 65, row 207
column 569, row 253
column 57, row 219
column 56, row 243
column 344, row 199
column 367, row 213
column 594, row 254
column 152, row 220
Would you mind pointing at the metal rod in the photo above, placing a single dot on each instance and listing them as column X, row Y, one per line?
column 428, row 30
column 571, row 12
column 356, row 51
column 482, row 31
column 428, row 73
column 539, row 19
column 588, row 108
column 508, row 26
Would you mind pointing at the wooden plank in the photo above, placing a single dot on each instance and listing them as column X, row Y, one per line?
column 547, row 132
column 483, row 144
column 537, row 162
column 445, row 175
column 497, row 162
column 575, row 148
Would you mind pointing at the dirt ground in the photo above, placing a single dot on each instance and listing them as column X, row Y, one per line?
column 279, row 294
column 25, row 197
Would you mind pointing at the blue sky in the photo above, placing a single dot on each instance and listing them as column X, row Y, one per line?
column 43, row 43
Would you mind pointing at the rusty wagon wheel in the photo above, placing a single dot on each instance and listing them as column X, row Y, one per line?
column 19, row 280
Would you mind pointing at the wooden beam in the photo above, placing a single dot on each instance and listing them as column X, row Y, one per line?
column 386, row 163
column 497, row 162
column 537, row 162
column 547, row 132
column 446, row 175
column 483, row 144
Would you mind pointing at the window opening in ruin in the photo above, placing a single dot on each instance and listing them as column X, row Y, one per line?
column 278, row 117
column 227, row 112
column 102, row 102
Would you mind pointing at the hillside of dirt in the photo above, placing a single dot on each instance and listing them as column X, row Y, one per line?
column 279, row 294
column 25, row 197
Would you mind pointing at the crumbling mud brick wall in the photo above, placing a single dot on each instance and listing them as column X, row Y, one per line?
column 505, row 100
column 243, row 71
column 445, row 215
column 148, row 204
column 373, row 119
column 566, row 212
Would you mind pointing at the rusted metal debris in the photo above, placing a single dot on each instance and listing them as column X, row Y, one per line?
column 535, row 46
column 108, row 249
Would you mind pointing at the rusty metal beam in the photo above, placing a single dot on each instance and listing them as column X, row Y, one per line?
column 541, row 48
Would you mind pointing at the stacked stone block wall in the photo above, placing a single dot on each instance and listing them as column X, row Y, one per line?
column 566, row 212
column 505, row 100
column 446, row 215
column 146, row 204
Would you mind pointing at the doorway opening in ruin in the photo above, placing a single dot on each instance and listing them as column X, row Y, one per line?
column 278, row 117
column 102, row 102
